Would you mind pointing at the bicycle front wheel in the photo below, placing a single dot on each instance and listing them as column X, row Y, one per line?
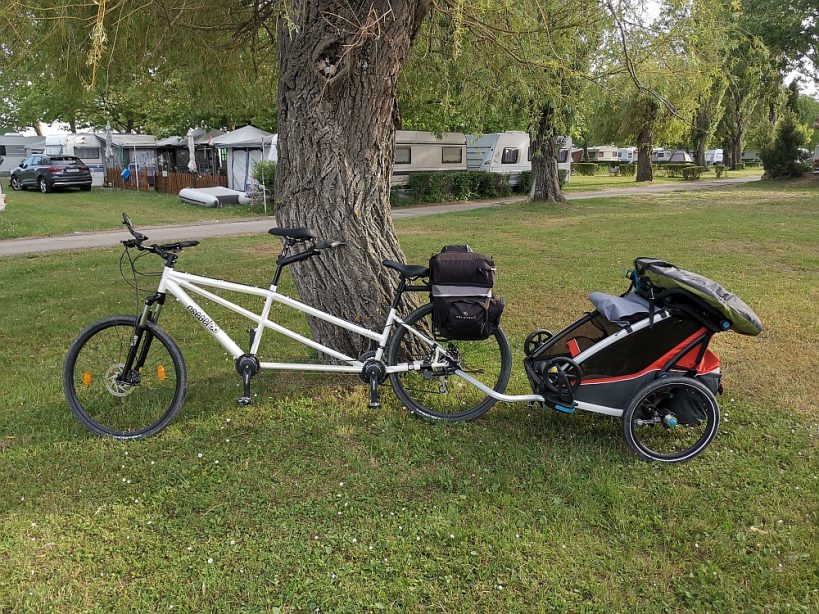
column 436, row 395
column 129, row 405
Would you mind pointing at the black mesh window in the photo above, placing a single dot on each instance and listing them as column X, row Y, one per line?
column 586, row 333
column 635, row 352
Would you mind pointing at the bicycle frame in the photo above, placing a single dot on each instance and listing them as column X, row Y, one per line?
column 178, row 285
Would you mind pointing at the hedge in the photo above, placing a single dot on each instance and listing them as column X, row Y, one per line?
column 441, row 187
column 628, row 170
column 676, row 169
column 720, row 170
column 587, row 169
column 693, row 172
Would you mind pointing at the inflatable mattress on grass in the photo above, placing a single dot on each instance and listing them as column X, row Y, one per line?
column 664, row 276
column 213, row 197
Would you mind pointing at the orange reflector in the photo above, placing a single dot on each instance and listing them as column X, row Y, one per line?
column 86, row 378
column 160, row 372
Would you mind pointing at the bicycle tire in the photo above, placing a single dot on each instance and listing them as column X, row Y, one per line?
column 473, row 402
column 100, row 389
column 641, row 438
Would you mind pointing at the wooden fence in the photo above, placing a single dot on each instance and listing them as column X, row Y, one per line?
column 171, row 182
column 114, row 178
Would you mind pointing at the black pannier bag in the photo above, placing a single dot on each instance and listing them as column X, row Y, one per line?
column 462, row 303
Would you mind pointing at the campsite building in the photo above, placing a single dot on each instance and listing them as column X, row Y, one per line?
column 627, row 155
column 240, row 149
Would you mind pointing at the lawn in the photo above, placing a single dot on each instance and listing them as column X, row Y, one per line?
column 30, row 213
column 602, row 181
column 310, row 501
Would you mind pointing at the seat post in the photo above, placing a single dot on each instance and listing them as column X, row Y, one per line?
column 279, row 265
column 402, row 285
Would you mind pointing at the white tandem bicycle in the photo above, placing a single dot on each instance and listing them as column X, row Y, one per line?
column 125, row 377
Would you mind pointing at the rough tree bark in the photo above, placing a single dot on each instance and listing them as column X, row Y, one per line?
column 545, row 150
column 337, row 91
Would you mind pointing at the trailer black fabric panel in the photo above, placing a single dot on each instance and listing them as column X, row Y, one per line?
column 660, row 274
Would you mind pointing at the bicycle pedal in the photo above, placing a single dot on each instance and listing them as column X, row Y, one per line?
column 243, row 401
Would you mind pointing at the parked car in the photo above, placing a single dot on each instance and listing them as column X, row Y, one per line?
column 3, row 199
column 49, row 172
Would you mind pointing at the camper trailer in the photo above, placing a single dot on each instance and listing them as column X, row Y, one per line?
column 713, row 156
column 509, row 153
column 87, row 147
column 417, row 152
column 603, row 154
column 14, row 148
column 627, row 155
column 660, row 155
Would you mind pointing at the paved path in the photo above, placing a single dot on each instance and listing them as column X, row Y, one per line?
column 251, row 226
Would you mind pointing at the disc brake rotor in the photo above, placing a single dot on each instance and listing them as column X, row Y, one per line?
column 115, row 387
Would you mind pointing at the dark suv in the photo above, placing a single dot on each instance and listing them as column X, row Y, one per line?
column 49, row 172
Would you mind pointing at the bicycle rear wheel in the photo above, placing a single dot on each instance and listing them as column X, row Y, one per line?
column 434, row 394
column 136, row 404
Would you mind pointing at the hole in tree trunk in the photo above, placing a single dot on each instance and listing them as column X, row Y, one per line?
column 331, row 61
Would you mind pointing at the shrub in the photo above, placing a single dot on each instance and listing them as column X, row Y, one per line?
column 439, row 187
column 628, row 170
column 720, row 170
column 264, row 172
column 587, row 169
column 524, row 182
column 740, row 166
column 780, row 157
column 693, row 172
column 750, row 164
column 561, row 176
column 676, row 169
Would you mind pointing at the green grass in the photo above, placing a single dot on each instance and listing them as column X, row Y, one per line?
column 602, row 181
column 318, row 502
column 30, row 213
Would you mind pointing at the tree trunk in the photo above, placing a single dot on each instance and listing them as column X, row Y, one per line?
column 645, row 142
column 337, row 90
column 38, row 128
column 545, row 150
column 736, row 149
column 728, row 153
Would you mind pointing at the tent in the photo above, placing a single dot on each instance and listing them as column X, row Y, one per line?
column 680, row 156
column 245, row 147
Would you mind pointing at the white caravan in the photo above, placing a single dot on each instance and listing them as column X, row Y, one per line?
column 417, row 152
column 87, row 147
column 14, row 148
column 660, row 154
column 603, row 153
column 510, row 153
column 627, row 155
column 713, row 156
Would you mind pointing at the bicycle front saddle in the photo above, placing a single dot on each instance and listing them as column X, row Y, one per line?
column 299, row 234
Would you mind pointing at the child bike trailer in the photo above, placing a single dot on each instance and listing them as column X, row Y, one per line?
column 644, row 356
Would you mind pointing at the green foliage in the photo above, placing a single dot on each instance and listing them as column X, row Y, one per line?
column 562, row 174
column 628, row 170
column 524, row 182
column 442, row 187
column 587, row 169
column 780, row 157
column 264, row 172
column 720, row 170
column 693, row 172
column 675, row 169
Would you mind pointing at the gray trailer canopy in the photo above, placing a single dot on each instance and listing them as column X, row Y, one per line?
column 663, row 275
